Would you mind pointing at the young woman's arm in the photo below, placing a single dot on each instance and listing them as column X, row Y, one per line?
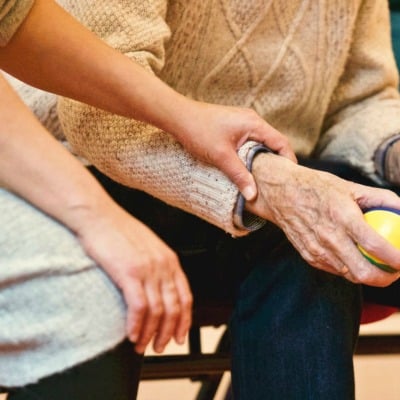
column 53, row 51
column 38, row 168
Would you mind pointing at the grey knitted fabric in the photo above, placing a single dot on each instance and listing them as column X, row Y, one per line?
column 57, row 308
column 317, row 76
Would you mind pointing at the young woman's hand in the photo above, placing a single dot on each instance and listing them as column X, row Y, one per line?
column 214, row 133
column 155, row 289
column 38, row 168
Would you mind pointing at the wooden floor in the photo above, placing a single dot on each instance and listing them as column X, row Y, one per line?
column 377, row 377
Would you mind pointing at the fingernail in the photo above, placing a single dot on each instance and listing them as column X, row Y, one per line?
column 140, row 349
column 180, row 340
column 133, row 337
column 159, row 349
column 249, row 193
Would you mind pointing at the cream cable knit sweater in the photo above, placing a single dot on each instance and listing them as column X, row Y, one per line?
column 12, row 13
column 322, row 72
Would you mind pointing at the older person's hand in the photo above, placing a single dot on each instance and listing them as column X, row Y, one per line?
column 321, row 215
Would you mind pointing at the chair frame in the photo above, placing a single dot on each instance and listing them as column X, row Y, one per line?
column 209, row 368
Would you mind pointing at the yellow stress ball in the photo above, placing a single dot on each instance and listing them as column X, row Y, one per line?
column 386, row 221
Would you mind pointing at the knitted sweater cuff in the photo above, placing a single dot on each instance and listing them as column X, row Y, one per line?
column 12, row 14
column 242, row 218
column 381, row 153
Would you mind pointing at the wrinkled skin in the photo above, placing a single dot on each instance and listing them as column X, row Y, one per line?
column 321, row 216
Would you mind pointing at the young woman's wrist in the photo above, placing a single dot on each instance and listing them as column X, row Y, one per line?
column 184, row 118
column 86, row 208
column 178, row 116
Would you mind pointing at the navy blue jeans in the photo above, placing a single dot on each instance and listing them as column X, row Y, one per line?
column 293, row 329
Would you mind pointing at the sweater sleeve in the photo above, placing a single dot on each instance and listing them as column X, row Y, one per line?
column 365, row 108
column 12, row 14
column 131, row 152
